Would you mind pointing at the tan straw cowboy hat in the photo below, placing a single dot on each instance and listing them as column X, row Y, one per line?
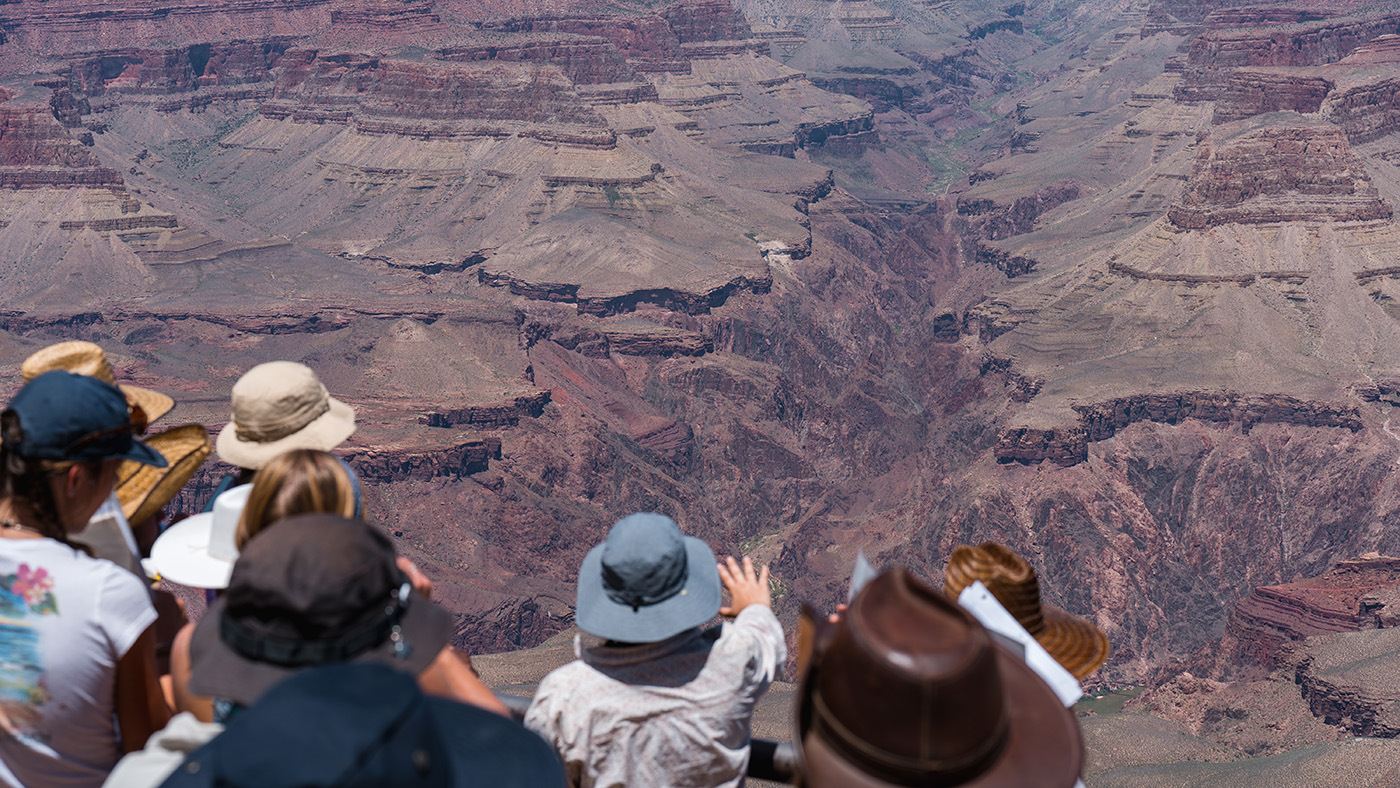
column 277, row 407
column 144, row 489
column 1074, row 642
column 907, row 689
column 85, row 358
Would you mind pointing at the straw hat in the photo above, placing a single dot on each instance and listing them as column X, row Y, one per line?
column 277, row 407
column 143, row 489
column 908, row 689
column 85, row 358
column 1074, row 642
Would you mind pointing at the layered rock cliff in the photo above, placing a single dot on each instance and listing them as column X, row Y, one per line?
column 1278, row 175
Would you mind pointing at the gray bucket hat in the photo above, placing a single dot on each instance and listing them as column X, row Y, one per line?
column 646, row 582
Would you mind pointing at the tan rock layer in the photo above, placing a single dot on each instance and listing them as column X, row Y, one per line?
column 1100, row 421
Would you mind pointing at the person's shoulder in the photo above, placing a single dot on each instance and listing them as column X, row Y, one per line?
column 570, row 674
column 497, row 751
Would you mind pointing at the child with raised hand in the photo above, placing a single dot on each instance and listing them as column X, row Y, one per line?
column 661, row 701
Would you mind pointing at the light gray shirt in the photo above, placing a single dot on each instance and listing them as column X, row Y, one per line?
column 669, row 714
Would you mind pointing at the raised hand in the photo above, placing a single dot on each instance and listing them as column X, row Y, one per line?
column 746, row 587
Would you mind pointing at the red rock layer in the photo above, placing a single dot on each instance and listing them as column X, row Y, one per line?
column 65, row 26
column 36, row 151
column 166, row 71
column 1070, row 446
column 647, row 43
column 1367, row 112
column 1216, row 52
column 1251, row 92
column 1278, row 175
column 707, row 20
column 434, row 101
column 586, row 60
column 396, row 16
column 1351, row 597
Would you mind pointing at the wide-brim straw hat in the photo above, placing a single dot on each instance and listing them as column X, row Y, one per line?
column 906, row 688
column 86, row 358
column 143, row 489
column 1075, row 643
column 277, row 407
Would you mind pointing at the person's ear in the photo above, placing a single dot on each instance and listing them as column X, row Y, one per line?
column 74, row 480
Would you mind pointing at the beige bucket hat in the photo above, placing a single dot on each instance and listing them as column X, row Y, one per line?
column 144, row 489
column 86, row 358
column 277, row 407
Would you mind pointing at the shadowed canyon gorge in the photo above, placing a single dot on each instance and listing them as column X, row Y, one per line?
column 1113, row 283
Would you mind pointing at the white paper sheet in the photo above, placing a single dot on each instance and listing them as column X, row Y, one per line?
column 984, row 607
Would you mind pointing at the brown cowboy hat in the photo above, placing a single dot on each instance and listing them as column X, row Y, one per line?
column 907, row 689
column 1074, row 642
column 85, row 358
column 144, row 489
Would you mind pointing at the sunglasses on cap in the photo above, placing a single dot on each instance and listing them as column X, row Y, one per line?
column 136, row 426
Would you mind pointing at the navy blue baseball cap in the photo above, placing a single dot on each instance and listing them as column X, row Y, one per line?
column 76, row 418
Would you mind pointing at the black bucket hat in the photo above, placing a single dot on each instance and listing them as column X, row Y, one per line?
column 314, row 589
column 646, row 582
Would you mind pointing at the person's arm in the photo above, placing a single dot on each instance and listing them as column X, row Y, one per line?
column 451, row 676
column 141, row 708
column 751, row 605
column 202, row 708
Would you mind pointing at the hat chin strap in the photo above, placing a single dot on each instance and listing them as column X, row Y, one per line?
column 296, row 653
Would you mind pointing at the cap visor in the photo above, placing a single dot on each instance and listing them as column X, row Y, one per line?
column 140, row 452
column 695, row 604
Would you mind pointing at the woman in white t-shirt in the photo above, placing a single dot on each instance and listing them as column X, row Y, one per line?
column 78, row 684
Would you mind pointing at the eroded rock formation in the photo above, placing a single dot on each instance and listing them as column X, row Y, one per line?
column 1278, row 175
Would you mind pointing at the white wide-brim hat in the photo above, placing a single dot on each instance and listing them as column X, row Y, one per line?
column 199, row 551
column 277, row 407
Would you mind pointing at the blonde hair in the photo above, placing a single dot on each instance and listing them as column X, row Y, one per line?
column 300, row 481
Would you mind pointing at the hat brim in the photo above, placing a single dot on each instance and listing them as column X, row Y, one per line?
column 325, row 432
column 153, row 403
column 143, row 489
column 1043, row 746
column 217, row 671
column 697, row 602
column 1079, row 646
column 181, row 554
column 139, row 452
